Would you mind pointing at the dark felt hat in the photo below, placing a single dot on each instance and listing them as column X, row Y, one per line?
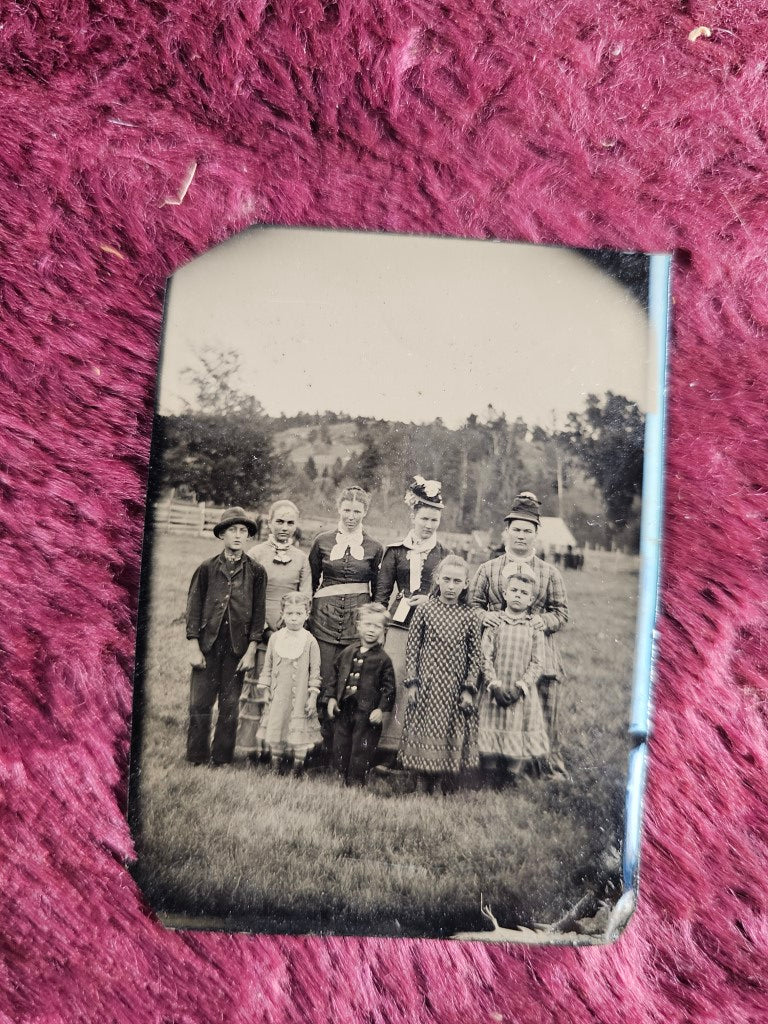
column 233, row 516
column 526, row 507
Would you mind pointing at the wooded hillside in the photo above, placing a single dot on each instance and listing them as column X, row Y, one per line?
column 228, row 451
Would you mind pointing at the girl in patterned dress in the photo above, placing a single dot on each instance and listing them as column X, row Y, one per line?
column 512, row 731
column 406, row 571
column 441, row 671
column 290, row 682
column 549, row 610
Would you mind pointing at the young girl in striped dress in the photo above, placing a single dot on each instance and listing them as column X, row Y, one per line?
column 512, row 731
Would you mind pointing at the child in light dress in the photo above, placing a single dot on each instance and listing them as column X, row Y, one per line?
column 442, row 663
column 290, row 684
column 512, row 733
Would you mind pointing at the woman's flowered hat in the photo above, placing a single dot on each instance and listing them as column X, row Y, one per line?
column 424, row 492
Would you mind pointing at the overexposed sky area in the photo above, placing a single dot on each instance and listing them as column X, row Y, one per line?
column 405, row 328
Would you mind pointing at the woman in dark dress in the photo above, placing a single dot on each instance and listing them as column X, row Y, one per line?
column 344, row 563
column 404, row 582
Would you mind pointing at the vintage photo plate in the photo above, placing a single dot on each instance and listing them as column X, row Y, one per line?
column 399, row 586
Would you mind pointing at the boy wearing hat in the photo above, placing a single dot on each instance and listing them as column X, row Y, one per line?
column 225, row 620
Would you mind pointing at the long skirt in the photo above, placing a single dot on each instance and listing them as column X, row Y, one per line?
column 549, row 696
column 252, row 705
column 285, row 726
column 518, row 733
column 438, row 738
column 392, row 728
column 328, row 654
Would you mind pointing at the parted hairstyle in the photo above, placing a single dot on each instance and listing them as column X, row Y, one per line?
column 291, row 598
column 288, row 504
column 452, row 561
column 354, row 493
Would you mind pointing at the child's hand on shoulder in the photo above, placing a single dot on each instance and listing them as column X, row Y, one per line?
column 376, row 716
column 537, row 622
column 196, row 656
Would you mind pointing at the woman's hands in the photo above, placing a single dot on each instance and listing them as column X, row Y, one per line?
column 466, row 704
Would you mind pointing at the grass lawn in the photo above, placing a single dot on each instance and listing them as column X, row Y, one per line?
column 271, row 853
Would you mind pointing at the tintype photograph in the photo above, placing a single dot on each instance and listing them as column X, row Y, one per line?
column 390, row 585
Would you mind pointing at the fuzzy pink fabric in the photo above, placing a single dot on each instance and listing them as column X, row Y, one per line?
column 588, row 122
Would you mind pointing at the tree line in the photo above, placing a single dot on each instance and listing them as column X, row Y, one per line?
column 224, row 449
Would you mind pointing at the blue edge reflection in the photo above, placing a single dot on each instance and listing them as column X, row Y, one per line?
column 650, row 560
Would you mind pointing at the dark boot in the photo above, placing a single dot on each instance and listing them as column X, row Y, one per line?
column 423, row 783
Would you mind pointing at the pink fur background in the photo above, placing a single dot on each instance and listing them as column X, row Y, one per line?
column 586, row 122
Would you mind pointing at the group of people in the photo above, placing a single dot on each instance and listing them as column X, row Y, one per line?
column 360, row 654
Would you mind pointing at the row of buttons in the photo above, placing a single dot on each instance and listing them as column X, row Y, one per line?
column 354, row 676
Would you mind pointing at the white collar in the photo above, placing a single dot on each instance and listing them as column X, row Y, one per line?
column 352, row 542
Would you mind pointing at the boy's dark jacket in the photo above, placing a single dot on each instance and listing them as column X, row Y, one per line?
column 211, row 593
column 376, row 688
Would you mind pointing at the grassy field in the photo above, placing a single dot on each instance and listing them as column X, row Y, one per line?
column 302, row 855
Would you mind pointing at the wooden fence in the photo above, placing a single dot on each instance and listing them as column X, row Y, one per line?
column 199, row 519
column 184, row 517
column 172, row 516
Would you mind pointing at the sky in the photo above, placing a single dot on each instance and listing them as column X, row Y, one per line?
column 405, row 328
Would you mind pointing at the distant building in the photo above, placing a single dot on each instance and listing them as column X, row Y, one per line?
column 554, row 537
column 552, row 540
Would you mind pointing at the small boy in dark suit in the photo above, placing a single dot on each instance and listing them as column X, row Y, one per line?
column 362, row 691
column 225, row 621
